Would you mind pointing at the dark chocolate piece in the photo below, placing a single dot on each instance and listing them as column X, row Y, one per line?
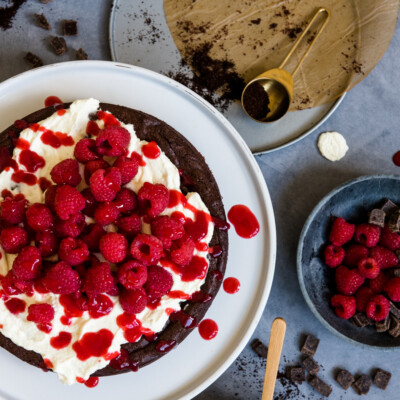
column 320, row 386
column 382, row 378
column 388, row 207
column 260, row 348
column 361, row 320
column 394, row 327
column 296, row 374
column 81, row 54
column 59, row 45
column 394, row 222
column 362, row 384
column 33, row 59
column 41, row 20
column 383, row 326
column 70, row 27
column 310, row 345
column 394, row 310
column 345, row 379
column 377, row 217
column 311, row 365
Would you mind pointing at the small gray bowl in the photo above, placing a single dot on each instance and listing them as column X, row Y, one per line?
column 351, row 201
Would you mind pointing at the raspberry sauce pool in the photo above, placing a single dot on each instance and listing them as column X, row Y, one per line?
column 244, row 221
column 208, row 329
column 231, row 285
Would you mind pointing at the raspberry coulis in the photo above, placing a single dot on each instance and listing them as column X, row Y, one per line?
column 22, row 144
column 231, row 285
column 151, row 150
column 132, row 327
column 56, row 139
column 107, row 118
column 178, row 294
column 396, row 159
column 93, row 344
column 15, row 306
column 200, row 297
column 52, row 101
column 208, row 329
column 186, row 320
column 164, row 346
column 196, row 269
column 24, row 177
column 99, row 306
column 90, row 383
column 244, row 221
column 92, row 128
column 31, row 160
column 62, row 340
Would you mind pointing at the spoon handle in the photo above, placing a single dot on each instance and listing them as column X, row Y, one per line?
column 274, row 354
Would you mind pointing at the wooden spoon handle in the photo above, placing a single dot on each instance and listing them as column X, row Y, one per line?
column 274, row 354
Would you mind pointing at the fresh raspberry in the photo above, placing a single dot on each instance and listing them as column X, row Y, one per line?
column 85, row 150
column 130, row 225
column 39, row 217
column 389, row 239
column 98, row 279
column 377, row 285
column 348, row 280
column 47, row 243
column 153, row 199
column 132, row 274
column 13, row 211
column 28, row 264
column 92, row 166
column 72, row 227
column 61, row 279
column 90, row 202
column 341, row 232
column 13, row 239
column 68, row 201
column 128, row 167
column 91, row 236
column 345, row 306
column 113, row 141
column 159, row 282
column 73, row 251
column 133, row 301
column 363, row 296
column 367, row 234
column 147, row 249
column 50, row 196
column 106, row 213
column 368, row 268
column 114, row 291
column 23, row 286
column 105, row 184
column 126, row 201
column 333, row 255
column 40, row 313
column 8, row 284
column 182, row 251
column 66, row 172
column 167, row 229
column 392, row 288
column 354, row 253
column 378, row 308
column 114, row 247
column 384, row 257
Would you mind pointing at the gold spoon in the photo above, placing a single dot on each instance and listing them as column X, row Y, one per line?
column 277, row 82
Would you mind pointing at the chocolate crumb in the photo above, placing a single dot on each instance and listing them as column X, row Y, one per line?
column 377, row 217
column 256, row 101
column 81, row 54
column 256, row 21
column 320, row 386
column 70, row 27
column 362, row 384
column 59, row 45
column 345, row 379
column 273, row 25
column 310, row 345
column 7, row 14
column 296, row 374
column 33, row 59
column 311, row 365
column 41, row 20
column 260, row 348
column 382, row 378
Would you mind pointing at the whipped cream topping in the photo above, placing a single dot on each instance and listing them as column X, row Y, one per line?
column 332, row 146
column 24, row 333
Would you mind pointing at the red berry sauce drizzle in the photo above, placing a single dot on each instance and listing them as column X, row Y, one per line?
column 396, row 159
column 151, row 150
column 90, row 383
column 208, row 329
column 52, row 101
column 231, row 285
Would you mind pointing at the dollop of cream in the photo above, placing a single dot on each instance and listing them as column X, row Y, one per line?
column 332, row 146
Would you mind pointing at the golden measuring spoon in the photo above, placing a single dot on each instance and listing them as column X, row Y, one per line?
column 277, row 82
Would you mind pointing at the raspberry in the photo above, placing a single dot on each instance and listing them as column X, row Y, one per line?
column 167, row 229
column 106, row 213
column 105, row 184
column 128, row 167
column 389, row 239
column 13, row 239
column 392, row 288
column 153, row 199
column 159, row 282
column 367, row 234
column 130, row 226
column 133, row 301
column 384, row 257
column 8, row 284
column 92, row 166
column 378, row 308
column 47, row 243
column 73, row 251
column 348, row 280
column 28, row 264
column 68, row 201
column 345, row 306
column 368, row 268
column 132, row 274
column 114, row 247
column 85, row 150
column 13, row 211
column 377, row 285
column 39, row 217
column 126, row 201
column 61, row 279
column 147, row 249
column 72, row 227
column 354, row 253
column 50, row 196
column 341, row 232
column 90, row 202
column 362, row 298
column 40, row 313
column 182, row 251
column 98, row 279
column 66, row 172
column 92, row 235
column 113, row 141
column 114, row 291
column 334, row 255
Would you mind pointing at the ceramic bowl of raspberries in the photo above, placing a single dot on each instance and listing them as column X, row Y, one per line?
column 348, row 261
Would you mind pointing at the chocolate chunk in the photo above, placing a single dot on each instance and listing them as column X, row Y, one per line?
column 311, row 365
column 260, row 348
column 388, row 207
column 59, row 45
column 362, row 384
column 394, row 222
column 345, row 379
column 394, row 327
column 394, row 310
column 81, row 54
column 70, row 27
column 310, row 345
column 320, row 386
column 296, row 374
column 361, row 320
column 42, row 21
column 383, row 326
column 382, row 378
column 377, row 217
column 33, row 59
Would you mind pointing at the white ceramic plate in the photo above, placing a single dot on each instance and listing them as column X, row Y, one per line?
column 133, row 41
column 196, row 363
